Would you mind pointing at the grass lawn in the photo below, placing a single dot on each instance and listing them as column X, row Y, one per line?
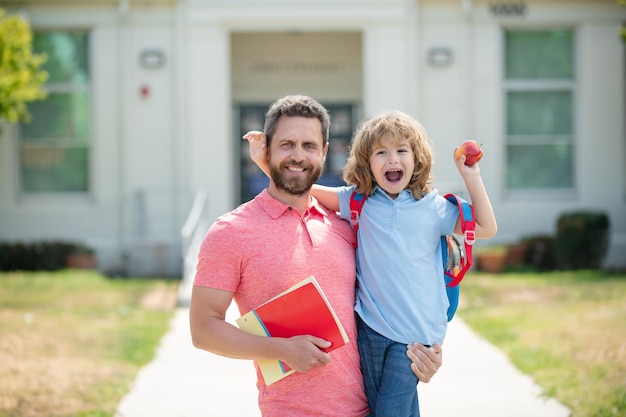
column 72, row 342
column 565, row 329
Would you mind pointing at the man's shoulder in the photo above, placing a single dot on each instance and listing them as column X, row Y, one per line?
column 240, row 215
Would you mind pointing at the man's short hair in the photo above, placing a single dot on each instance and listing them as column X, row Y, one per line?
column 292, row 106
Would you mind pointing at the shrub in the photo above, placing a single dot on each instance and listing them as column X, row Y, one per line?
column 36, row 256
column 540, row 252
column 582, row 240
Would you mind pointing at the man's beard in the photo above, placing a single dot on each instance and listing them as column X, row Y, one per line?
column 296, row 185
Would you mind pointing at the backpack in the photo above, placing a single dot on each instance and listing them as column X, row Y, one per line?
column 457, row 259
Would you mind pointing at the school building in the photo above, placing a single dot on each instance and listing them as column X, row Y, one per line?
column 138, row 147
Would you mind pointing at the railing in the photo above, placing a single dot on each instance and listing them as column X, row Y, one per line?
column 151, row 235
column 192, row 233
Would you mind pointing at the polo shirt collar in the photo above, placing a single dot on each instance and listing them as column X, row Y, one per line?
column 404, row 194
column 275, row 208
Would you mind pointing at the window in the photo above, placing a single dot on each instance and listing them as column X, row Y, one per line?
column 54, row 147
column 540, row 94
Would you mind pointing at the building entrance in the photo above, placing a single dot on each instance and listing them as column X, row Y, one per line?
column 266, row 66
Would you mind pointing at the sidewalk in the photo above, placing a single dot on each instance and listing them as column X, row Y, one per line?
column 476, row 379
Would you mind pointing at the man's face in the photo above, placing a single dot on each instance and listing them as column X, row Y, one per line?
column 296, row 154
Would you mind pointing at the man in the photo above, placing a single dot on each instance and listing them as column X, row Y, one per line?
column 269, row 244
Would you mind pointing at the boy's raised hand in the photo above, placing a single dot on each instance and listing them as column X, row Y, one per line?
column 486, row 225
column 258, row 149
column 465, row 170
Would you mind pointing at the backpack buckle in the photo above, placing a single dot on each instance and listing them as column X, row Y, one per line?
column 354, row 217
column 470, row 237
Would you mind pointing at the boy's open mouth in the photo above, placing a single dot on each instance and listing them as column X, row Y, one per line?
column 394, row 176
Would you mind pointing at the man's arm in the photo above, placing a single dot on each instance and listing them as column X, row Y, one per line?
column 210, row 331
column 426, row 360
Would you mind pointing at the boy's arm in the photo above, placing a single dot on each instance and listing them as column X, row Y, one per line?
column 258, row 150
column 486, row 225
column 327, row 196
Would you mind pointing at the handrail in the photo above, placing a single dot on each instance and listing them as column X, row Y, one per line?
column 192, row 233
column 193, row 218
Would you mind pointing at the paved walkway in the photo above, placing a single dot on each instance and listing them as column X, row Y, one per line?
column 475, row 380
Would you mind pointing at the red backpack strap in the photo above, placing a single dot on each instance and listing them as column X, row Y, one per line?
column 468, row 225
column 356, row 205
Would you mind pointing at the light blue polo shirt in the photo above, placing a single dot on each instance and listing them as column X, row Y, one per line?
column 401, row 291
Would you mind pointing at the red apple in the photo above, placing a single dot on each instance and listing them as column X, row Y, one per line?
column 471, row 150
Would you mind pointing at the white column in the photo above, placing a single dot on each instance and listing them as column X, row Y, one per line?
column 385, row 68
column 211, row 146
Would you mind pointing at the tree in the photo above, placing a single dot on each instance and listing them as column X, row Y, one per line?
column 623, row 31
column 21, row 78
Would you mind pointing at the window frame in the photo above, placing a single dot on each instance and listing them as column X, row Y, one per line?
column 64, row 87
column 547, row 85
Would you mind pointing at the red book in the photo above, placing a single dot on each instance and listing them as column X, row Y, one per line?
column 302, row 309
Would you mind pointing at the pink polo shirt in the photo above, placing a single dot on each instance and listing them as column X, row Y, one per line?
column 264, row 247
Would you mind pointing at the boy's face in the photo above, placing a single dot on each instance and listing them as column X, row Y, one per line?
column 392, row 164
column 296, row 154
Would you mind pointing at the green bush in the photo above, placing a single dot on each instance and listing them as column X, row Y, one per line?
column 540, row 253
column 582, row 240
column 36, row 256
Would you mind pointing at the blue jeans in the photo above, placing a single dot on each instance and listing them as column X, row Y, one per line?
column 390, row 385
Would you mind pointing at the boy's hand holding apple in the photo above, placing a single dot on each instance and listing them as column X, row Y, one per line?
column 471, row 150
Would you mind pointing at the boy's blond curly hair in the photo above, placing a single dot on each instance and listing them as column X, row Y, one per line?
column 389, row 126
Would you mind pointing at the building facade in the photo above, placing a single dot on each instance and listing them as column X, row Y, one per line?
column 148, row 100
